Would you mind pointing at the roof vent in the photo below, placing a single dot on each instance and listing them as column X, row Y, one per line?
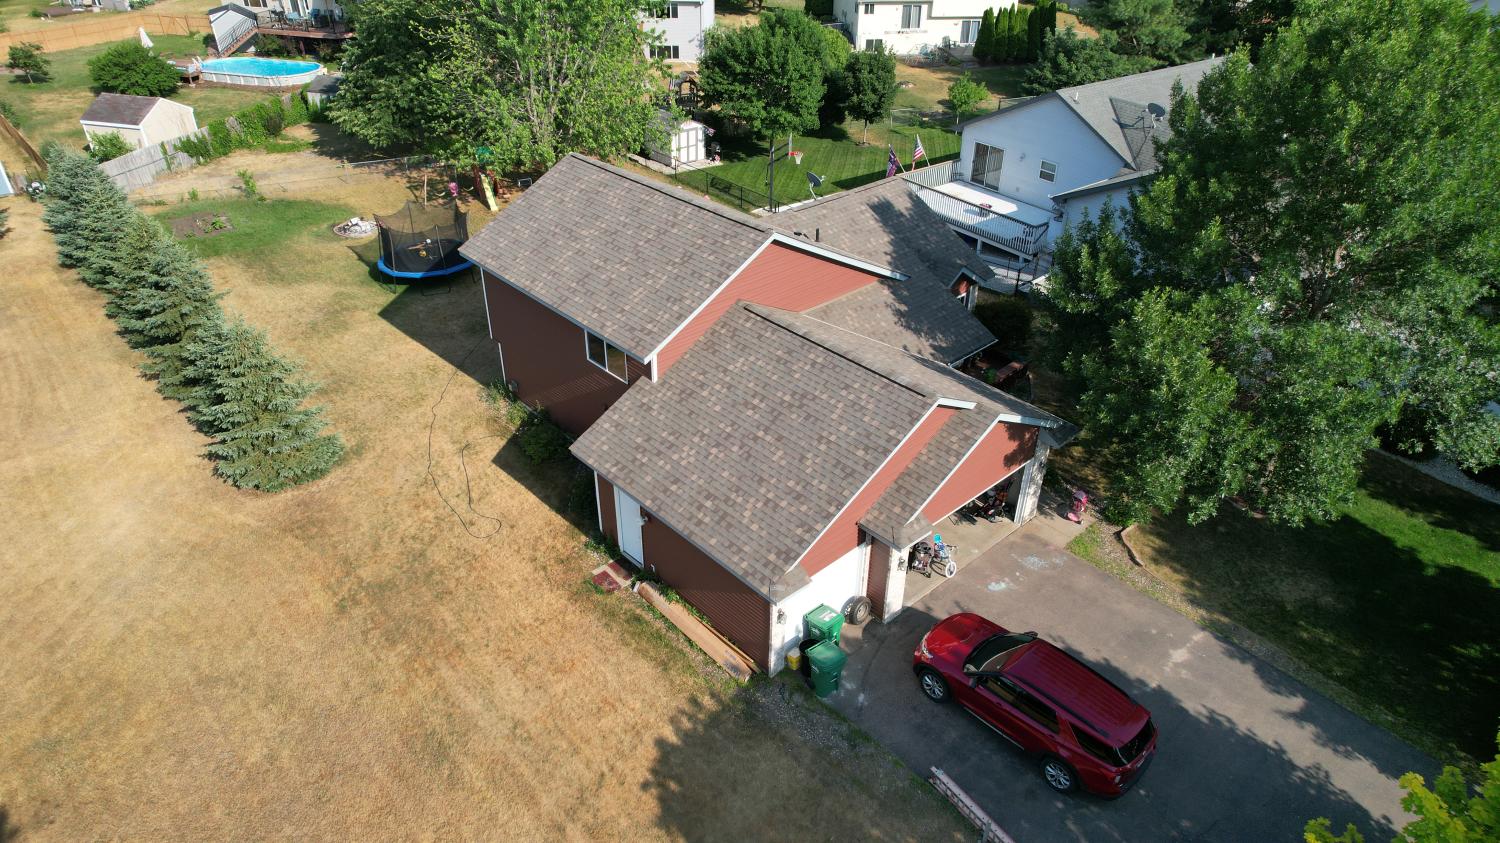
column 1075, row 96
column 817, row 235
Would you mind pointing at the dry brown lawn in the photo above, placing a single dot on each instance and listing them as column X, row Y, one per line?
column 386, row 653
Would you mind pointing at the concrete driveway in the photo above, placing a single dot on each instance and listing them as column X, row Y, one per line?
column 1245, row 752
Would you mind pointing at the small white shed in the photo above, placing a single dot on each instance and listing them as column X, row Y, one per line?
column 688, row 141
column 139, row 120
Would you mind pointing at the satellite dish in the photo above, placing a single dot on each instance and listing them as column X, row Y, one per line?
column 813, row 179
column 1156, row 111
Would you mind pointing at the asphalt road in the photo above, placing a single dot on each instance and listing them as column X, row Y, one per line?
column 1245, row 752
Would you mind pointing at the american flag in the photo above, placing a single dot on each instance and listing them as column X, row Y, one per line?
column 892, row 163
column 919, row 153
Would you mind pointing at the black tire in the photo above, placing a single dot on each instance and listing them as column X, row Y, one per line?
column 933, row 685
column 1059, row 774
column 858, row 611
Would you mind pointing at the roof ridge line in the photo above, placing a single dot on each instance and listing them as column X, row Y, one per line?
column 677, row 193
column 756, row 308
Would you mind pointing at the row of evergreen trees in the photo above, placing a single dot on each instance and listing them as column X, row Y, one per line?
column 1016, row 33
column 235, row 388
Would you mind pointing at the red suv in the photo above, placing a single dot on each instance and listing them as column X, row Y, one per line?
column 1086, row 730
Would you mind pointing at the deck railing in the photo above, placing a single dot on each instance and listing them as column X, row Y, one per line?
column 987, row 223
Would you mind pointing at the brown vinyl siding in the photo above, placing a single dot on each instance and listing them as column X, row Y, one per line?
column 880, row 569
column 606, row 494
column 737, row 612
column 545, row 357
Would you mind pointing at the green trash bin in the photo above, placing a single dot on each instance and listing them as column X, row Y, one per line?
column 826, row 661
column 823, row 624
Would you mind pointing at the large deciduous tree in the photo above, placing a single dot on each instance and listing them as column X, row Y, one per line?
column 1314, row 258
column 531, row 80
column 770, row 76
column 1066, row 59
column 870, row 85
column 1153, row 28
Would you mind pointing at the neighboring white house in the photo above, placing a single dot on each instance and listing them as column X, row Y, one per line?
column 907, row 28
column 681, row 24
column 139, row 120
column 1028, row 171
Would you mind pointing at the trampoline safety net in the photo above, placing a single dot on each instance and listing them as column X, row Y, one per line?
column 422, row 238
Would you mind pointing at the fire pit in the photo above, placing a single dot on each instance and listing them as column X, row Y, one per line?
column 354, row 228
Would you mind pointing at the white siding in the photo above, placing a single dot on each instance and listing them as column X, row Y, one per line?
column 1074, row 209
column 685, row 32
column 833, row 586
column 942, row 22
column 168, row 121
column 1049, row 131
column 130, row 136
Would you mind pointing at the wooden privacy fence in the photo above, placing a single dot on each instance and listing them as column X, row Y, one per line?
column 140, row 168
column 104, row 27
column 20, row 140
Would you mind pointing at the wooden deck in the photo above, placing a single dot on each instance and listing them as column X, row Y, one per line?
column 291, row 30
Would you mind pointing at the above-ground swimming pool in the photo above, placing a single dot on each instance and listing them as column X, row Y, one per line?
column 271, row 73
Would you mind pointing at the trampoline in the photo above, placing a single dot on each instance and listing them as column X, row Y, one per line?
column 421, row 241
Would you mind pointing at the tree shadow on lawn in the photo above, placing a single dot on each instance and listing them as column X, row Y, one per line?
column 1411, row 635
column 771, row 762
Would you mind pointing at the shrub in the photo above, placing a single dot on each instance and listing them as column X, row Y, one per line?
column 8, row 111
column 108, row 146
column 250, row 127
column 1009, row 319
column 541, row 440
column 129, row 68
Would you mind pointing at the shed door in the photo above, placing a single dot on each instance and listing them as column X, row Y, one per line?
column 628, row 522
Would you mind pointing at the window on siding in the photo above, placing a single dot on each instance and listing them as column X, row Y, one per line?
column 666, row 51
column 911, row 16
column 605, row 356
column 985, row 168
column 874, row 45
column 869, row 8
column 1049, row 171
column 969, row 32
column 661, row 11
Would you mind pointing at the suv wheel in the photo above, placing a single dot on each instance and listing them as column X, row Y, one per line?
column 933, row 685
column 1058, row 775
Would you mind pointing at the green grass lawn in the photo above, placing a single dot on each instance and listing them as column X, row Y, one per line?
column 837, row 156
column 929, row 85
column 50, row 110
column 274, row 238
column 1398, row 600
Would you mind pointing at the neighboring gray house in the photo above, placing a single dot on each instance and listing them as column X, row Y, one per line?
column 1028, row 171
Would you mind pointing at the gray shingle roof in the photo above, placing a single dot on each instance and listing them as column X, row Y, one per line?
column 914, row 316
column 751, row 445
column 883, row 222
column 123, row 109
column 770, row 424
column 886, row 224
column 1148, row 92
column 628, row 257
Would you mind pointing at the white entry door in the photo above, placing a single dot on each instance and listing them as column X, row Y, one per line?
column 628, row 523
